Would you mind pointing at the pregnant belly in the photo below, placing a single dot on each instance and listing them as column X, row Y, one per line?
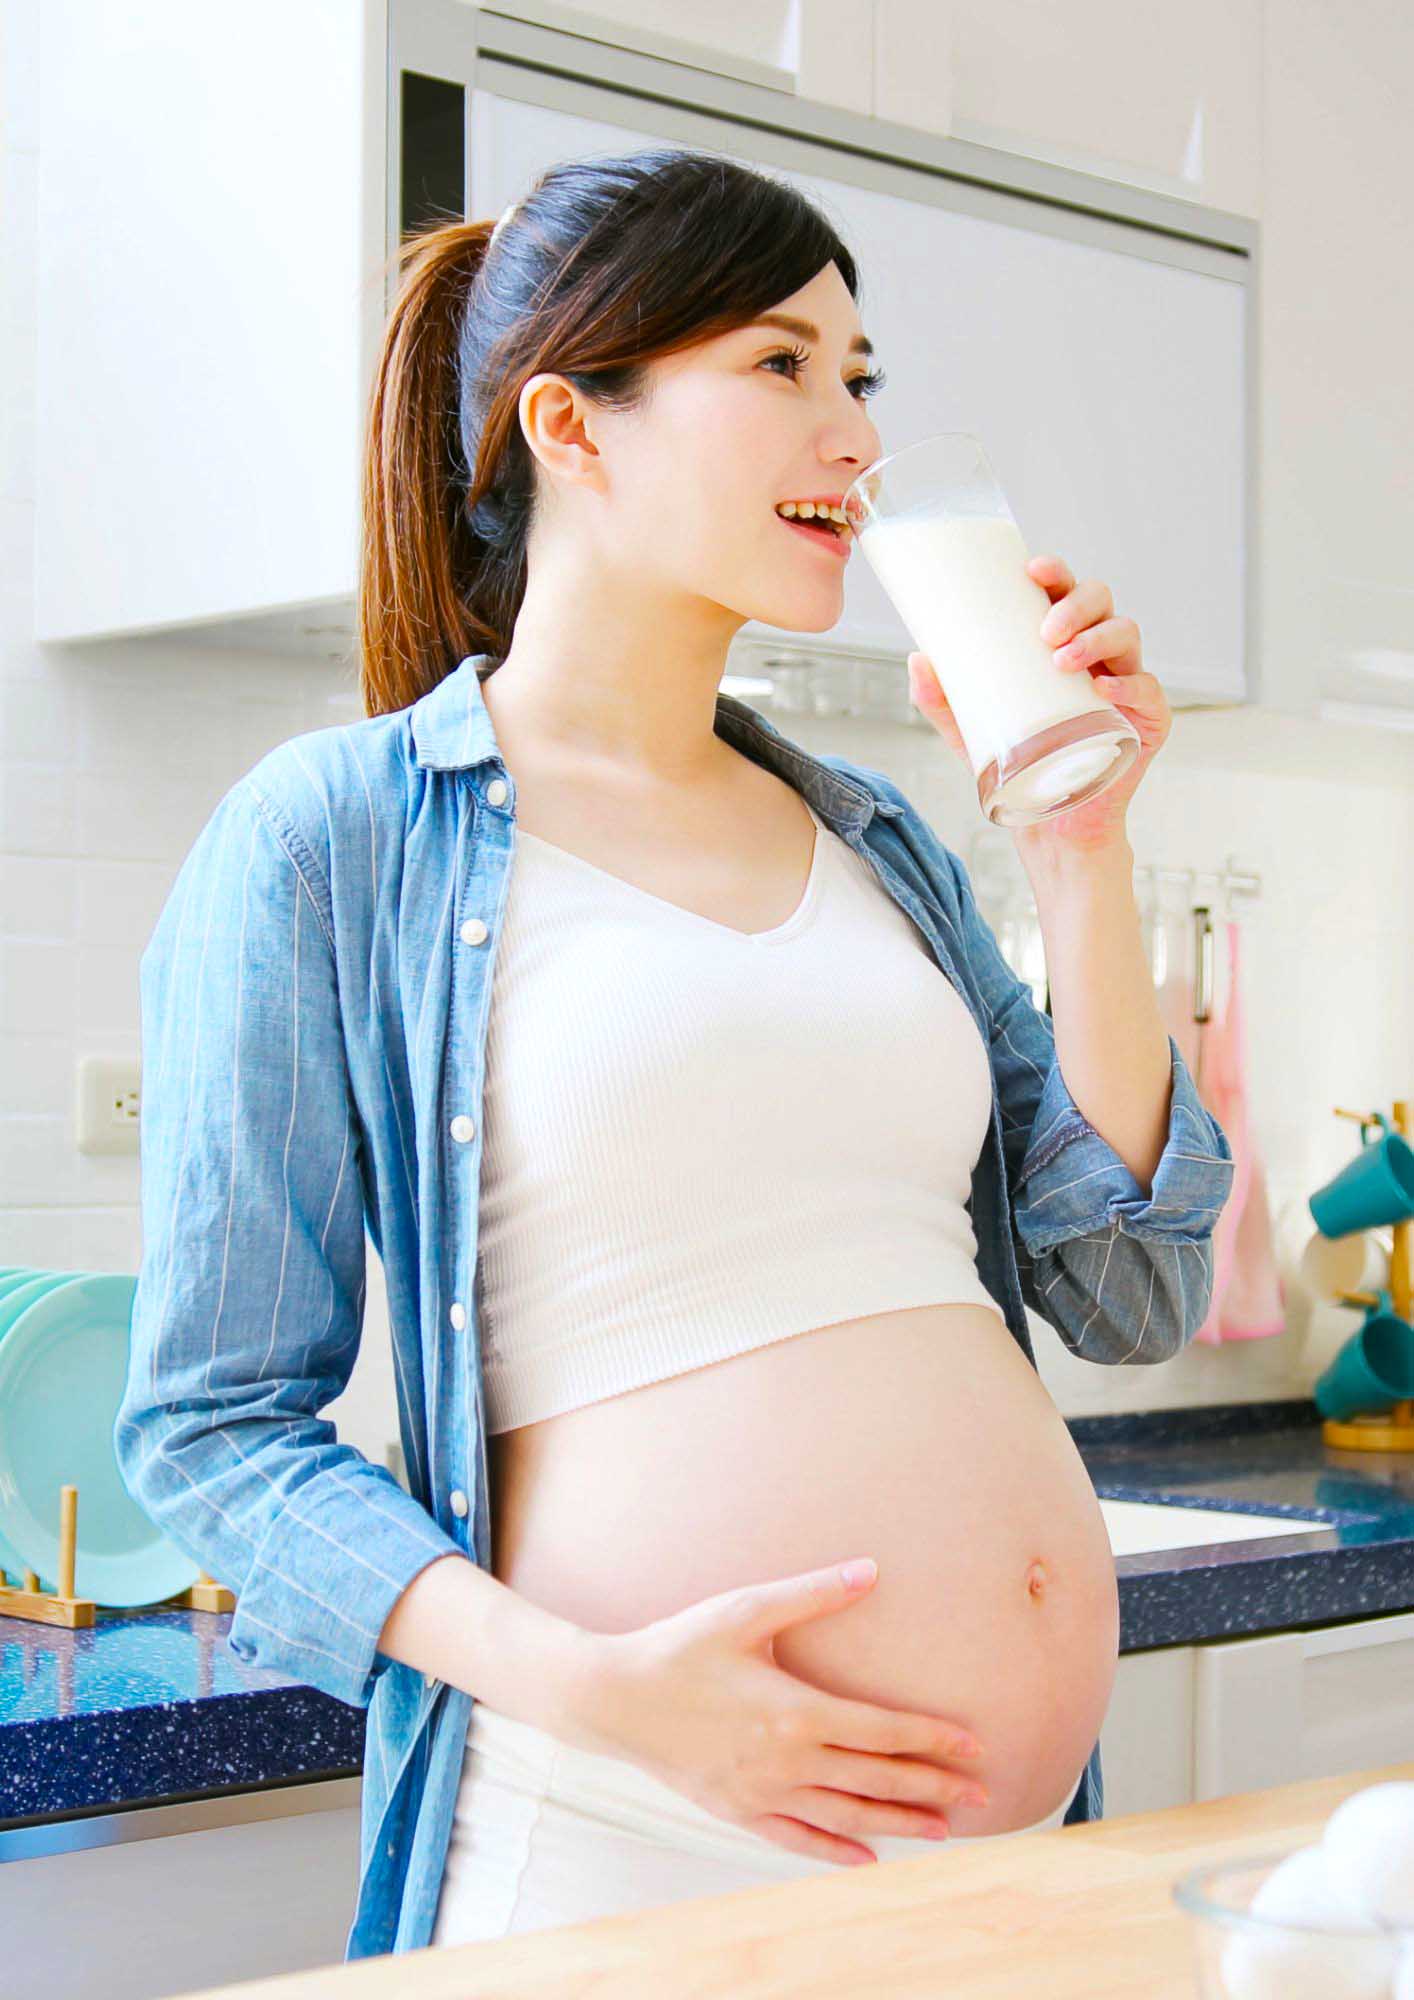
column 923, row 1438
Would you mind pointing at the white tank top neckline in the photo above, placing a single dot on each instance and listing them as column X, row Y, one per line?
column 780, row 933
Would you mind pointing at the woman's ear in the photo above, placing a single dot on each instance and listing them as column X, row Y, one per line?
column 557, row 424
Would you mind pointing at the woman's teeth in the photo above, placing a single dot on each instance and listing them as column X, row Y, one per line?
column 809, row 510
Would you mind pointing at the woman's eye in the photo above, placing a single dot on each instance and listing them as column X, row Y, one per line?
column 796, row 360
column 861, row 387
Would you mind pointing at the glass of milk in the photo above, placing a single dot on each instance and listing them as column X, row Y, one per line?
column 935, row 528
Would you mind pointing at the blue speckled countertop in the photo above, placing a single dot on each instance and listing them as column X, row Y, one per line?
column 1350, row 1552
column 154, row 1707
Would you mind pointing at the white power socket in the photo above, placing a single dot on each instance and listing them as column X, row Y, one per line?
column 107, row 1104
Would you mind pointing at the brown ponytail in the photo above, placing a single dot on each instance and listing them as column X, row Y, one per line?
column 606, row 265
column 416, row 616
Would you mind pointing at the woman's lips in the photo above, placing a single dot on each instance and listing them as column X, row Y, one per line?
column 825, row 540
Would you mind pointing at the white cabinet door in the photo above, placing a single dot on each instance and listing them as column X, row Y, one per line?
column 1292, row 1705
column 757, row 40
column 1164, row 97
column 1146, row 1745
column 266, row 1886
column 211, row 233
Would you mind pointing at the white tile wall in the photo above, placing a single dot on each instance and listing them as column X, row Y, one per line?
column 111, row 758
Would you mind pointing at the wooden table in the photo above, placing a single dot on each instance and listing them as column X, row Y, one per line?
column 1079, row 1913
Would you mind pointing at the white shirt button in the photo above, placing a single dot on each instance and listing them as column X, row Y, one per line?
column 497, row 792
column 474, row 931
column 459, row 1503
column 458, row 1315
column 462, row 1129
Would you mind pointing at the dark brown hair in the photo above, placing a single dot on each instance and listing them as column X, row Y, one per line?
column 605, row 265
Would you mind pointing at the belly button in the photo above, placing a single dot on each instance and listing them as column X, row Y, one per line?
column 1036, row 1579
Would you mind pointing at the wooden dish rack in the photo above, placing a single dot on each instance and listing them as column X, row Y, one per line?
column 61, row 1607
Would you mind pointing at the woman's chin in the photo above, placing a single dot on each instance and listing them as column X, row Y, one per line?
column 816, row 614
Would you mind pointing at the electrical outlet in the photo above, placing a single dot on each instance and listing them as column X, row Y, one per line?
column 107, row 1104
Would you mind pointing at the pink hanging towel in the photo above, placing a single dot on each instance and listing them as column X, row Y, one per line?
column 1248, row 1300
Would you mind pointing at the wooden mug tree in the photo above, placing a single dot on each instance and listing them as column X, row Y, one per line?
column 1391, row 1430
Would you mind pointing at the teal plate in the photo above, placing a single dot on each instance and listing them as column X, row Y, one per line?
column 17, row 1289
column 63, row 1368
column 17, row 1292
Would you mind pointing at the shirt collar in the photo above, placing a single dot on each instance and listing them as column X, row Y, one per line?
column 451, row 731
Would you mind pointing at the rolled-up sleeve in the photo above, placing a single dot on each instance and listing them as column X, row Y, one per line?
column 1122, row 1276
column 249, row 1302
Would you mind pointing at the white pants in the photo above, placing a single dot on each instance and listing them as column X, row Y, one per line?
column 547, row 1834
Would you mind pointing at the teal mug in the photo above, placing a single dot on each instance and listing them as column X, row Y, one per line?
column 1375, row 1368
column 1376, row 1187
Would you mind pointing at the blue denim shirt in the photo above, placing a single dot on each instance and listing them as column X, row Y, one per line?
column 314, row 1011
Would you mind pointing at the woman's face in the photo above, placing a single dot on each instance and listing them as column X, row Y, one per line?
column 735, row 425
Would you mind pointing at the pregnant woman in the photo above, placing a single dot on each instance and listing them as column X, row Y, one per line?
column 712, row 1150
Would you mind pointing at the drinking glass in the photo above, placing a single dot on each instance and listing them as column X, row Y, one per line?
column 935, row 527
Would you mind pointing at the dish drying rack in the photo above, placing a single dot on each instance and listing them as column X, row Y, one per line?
column 61, row 1606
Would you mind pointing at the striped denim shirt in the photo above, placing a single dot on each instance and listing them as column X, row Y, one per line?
column 314, row 1011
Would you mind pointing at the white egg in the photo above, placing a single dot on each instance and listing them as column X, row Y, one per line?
column 1302, row 1889
column 1288, row 1967
column 1369, row 1846
column 1292, row 1965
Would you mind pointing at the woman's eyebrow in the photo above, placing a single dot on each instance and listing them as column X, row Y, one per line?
column 802, row 327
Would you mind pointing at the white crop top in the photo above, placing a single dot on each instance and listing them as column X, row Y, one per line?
column 697, row 1140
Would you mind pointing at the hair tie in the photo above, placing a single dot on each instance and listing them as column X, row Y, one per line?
column 502, row 220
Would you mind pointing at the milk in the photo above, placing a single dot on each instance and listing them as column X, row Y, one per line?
column 960, row 584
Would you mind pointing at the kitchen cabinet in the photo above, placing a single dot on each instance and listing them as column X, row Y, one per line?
column 761, row 41
column 207, row 337
column 166, row 1809
column 210, row 230
column 1160, row 97
column 156, row 1900
column 1164, row 100
column 1146, row 1742
column 1286, row 1705
column 1338, row 328
column 1202, row 1722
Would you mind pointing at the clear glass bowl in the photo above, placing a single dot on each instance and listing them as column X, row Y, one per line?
column 1241, row 1956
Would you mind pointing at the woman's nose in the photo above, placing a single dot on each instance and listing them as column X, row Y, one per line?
column 860, row 448
column 864, row 439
